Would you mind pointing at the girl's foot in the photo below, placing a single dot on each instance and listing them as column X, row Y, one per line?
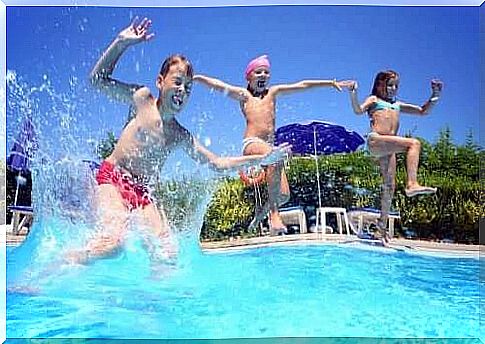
column 382, row 235
column 419, row 190
column 278, row 231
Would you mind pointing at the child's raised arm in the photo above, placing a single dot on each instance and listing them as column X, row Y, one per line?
column 305, row 84
column 235, row 92
column 356, row 106
column 436, row 87
column 100, row 76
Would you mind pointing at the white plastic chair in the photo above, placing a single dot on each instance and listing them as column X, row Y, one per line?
column 294, row 216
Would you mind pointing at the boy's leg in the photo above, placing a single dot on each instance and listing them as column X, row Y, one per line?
column 382, row 145
column 159, row 241
column 112, row 218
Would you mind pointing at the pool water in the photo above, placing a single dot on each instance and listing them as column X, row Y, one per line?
column 280, row 291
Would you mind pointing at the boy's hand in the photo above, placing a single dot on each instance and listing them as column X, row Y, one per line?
column 136, row 32
column 277, row 155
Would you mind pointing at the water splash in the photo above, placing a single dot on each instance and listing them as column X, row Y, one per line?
column 64, row 186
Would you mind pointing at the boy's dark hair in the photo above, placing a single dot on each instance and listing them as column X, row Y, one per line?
column 176, row 59
column 382, row 77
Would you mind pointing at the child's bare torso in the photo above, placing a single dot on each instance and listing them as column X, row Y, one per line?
column 147, row 141
column 260, row 116
column 385, row 121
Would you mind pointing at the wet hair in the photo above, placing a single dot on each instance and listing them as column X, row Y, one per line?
column 173, row 60
column 382, row 78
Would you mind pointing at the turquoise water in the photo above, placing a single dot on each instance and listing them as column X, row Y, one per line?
column 287, row 291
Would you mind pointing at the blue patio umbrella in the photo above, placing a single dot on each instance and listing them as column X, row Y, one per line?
column 318, row 138
column 23, row 149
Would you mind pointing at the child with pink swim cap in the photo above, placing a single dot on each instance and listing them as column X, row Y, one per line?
column 257, row 103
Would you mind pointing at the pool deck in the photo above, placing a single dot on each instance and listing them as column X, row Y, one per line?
column 411, row 246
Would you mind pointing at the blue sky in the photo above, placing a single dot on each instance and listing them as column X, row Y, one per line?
column 62, row 44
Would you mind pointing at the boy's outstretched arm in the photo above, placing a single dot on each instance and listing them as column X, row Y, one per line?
column 202, row 155
column 100, row 76
column 436, row 87
column 306, row 84
column 235, row 92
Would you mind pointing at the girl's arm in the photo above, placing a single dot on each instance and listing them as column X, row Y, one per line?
column 436, row 87
column 359, row 108
column 305, row 84
column 235, row 92
column 417, row 109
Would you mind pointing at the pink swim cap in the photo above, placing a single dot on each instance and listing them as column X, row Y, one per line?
column 261, row 61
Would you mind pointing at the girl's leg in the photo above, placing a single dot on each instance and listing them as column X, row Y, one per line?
column 279, row 194
column 384, row 145
column 388, row 172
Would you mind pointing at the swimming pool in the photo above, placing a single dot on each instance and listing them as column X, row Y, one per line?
column 309, row 291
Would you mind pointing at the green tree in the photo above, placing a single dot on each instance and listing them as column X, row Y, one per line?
column 106, row 146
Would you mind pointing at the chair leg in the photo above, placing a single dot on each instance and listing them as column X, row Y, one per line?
column 23, row 223
column 15, row 223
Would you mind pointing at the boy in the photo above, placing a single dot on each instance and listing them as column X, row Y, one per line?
column 143, row 147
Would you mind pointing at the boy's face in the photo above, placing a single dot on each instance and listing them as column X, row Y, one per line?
column 258, row 79
column 175, row 87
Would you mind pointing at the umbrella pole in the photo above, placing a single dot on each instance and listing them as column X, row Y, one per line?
column 316, row 163
column 17, row 189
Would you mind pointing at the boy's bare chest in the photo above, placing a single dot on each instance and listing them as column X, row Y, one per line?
column 150, row 131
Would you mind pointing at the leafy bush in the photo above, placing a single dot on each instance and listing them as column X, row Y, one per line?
column 353, row 180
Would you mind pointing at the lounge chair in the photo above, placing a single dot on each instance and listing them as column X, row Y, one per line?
column 364, row 217
column 294, row 216
column 341, row 215
column 22, row 217
column 93, row 165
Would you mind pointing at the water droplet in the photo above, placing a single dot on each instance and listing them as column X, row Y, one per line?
column 11, row 76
